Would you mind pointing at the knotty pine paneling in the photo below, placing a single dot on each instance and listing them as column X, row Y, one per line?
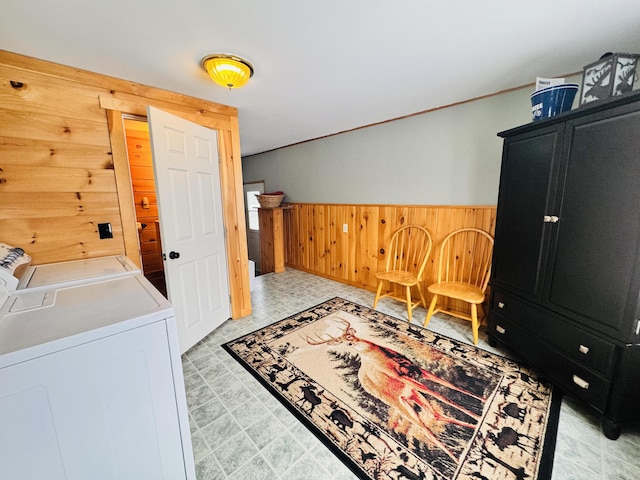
column 20, row 178
column 60, row 238
column 59, row 205
column 54, row 128
column 57, row 178
column 25, row 92
column 315, row 241
column 29, row 152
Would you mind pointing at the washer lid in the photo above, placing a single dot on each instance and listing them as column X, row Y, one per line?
column 77, row 271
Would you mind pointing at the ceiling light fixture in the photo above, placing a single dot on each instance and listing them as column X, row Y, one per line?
column 228, row 70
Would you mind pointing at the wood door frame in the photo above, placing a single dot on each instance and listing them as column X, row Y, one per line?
column 230, row 180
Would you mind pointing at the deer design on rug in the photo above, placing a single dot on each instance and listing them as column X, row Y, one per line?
column 393, row 378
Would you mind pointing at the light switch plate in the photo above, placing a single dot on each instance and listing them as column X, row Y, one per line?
column 104, row 229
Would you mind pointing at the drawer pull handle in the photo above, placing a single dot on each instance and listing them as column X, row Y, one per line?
column 580, row 382
column 500, row 305
column 583, row 349
column 500, row 330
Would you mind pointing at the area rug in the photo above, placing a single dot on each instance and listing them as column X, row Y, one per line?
column 396, row 401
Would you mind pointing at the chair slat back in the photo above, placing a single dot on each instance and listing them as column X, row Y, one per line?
column 409, row 250
column 465, row 256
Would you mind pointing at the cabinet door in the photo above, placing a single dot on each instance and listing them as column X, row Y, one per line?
column 525, row 185
column 593, row 274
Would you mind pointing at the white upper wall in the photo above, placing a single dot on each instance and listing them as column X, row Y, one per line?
column 449, row 156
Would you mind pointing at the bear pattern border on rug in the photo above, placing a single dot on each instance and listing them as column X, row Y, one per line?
column 396, row 401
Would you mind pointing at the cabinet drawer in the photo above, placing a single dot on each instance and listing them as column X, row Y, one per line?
column 583, row 347
column 569, row 375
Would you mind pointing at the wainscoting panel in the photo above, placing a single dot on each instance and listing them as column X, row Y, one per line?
column 316, row 240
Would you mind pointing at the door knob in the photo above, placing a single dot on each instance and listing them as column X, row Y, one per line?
column 174, row 255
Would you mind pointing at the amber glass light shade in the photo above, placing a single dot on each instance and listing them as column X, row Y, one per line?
column 228, row 70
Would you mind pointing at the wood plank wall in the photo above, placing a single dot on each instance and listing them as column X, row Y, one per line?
column 315, row 241
column 57, row 172
column 64, row 168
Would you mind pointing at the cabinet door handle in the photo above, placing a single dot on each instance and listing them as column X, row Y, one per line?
column 583, row 349
column 580, row 382
column 500, row 330
column 500, row 305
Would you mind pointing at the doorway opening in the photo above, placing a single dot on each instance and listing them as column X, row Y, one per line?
column 145, row 199
column 251, row 206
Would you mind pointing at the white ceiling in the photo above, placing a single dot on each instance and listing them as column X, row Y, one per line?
column 325, row 66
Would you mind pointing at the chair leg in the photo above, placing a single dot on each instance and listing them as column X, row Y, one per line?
column 482, row 315
column 409, row 304
column 424, row 302
column 375, row 301
column 474, row 322
column 445, row 304
column 432, row 307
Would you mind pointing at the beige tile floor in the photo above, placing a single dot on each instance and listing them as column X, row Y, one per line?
column 240, row 431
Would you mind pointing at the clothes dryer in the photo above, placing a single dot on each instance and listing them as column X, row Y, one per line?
column 91, row 383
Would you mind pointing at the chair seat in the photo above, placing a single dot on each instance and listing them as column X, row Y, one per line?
column 460, row 291
column 403, row 278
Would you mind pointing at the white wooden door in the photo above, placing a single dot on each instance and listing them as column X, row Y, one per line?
column 185, row 159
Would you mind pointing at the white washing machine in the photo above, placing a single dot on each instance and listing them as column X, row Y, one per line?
column 91, row 382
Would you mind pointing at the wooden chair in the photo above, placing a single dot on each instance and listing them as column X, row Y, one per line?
column 463, row 274
column 407, row 257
